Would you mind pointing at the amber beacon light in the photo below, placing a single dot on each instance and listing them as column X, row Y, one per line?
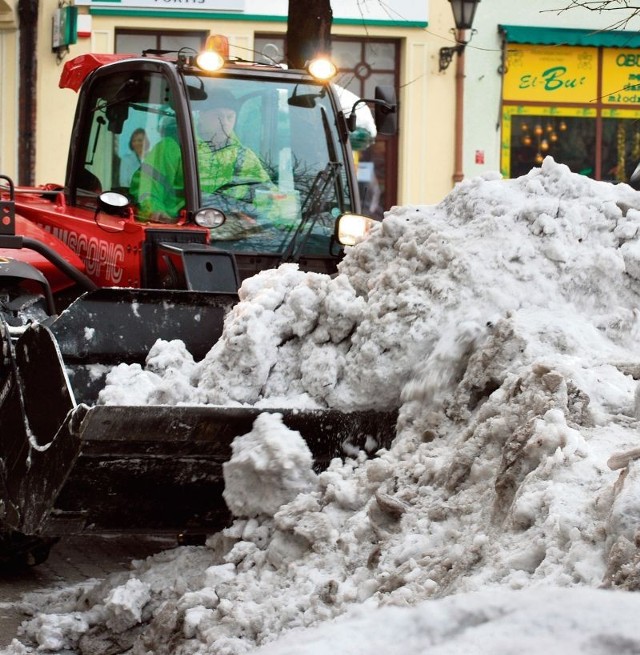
column 215, row 53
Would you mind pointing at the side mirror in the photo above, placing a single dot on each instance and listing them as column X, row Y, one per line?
column 386, row 110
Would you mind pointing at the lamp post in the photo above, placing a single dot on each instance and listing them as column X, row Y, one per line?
column 464, row 12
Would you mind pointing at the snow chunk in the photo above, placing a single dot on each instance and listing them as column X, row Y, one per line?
column 268, row 468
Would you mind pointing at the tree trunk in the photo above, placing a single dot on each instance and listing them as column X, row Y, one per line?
column 308, row 31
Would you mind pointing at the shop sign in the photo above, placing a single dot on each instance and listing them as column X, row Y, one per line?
column 550, row 74
column 621, row 77
column 65, row 31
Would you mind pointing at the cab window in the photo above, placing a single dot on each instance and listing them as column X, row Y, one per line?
column 286, row 198
column 129, row 114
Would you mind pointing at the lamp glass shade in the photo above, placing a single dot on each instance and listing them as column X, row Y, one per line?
column 464, row 12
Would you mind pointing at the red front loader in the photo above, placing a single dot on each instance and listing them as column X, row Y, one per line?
column 84, row 257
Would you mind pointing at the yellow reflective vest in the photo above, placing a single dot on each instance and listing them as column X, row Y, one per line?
column 158, row 186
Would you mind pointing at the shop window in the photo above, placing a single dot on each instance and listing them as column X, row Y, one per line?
column 136, row 41
column 568, row 139
column 576, row 104
column 620, row 148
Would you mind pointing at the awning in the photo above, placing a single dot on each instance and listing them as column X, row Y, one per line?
column 568, row 36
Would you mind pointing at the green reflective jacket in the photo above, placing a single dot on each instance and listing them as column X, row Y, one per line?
column 158, row 186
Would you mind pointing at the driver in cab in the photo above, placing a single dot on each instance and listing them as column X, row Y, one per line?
column 226, row 167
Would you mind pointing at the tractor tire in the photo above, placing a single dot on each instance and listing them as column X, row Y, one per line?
column 19, row 551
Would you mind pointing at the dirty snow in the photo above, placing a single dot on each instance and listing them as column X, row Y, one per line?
column 504, row 322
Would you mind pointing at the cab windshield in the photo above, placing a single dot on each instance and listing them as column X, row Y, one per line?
column 269, row 157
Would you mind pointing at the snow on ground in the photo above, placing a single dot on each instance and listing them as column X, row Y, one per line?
column 504, row 518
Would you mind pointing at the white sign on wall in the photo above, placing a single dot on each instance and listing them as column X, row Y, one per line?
column 400, row 11
column 397, row 11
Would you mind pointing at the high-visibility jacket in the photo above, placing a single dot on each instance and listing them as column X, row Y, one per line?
column 158, row 186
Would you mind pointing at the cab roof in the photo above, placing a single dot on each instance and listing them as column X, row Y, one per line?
column 75, row 70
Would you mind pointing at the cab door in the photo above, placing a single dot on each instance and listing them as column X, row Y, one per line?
column 113, row 112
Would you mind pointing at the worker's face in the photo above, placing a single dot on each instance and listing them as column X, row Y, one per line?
column 138, row 143
column 216, row 125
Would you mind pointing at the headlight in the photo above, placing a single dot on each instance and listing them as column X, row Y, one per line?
column 322, row 68
column 114, row 203
column 351, row 228
column 210, row 218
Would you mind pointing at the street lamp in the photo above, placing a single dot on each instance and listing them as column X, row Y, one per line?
column 464, row 12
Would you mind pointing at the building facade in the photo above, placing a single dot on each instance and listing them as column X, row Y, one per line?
column 549, row 81
column 372, row 45
column 8, row 87
column 539, row 80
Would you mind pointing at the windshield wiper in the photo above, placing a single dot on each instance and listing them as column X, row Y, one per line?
column 312, row 204
column 311, row 208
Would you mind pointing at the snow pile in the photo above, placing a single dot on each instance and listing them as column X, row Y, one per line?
column 505, row 322
column 286, row 341
column 428, row 279
column 496, row 622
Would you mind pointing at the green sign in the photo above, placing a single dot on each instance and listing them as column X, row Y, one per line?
column 65, row 27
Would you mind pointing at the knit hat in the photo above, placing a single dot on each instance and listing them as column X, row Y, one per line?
column 221, row 98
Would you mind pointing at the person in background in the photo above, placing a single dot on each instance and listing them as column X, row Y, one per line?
column 130, row 163
column 361, row 139
column 226, row 167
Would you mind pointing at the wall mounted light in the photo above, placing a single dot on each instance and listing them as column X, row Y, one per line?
column 464, row 12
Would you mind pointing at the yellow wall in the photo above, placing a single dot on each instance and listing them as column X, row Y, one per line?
column 427, row 112
column 426, row 97
column 8, row 88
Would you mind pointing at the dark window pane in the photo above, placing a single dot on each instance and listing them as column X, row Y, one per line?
column 568, row 140
column 346, row 54
column 269, row 49
column 381, row 55
column 372, row 173
column 620, row 148
column 185, row 40
column 135, row 43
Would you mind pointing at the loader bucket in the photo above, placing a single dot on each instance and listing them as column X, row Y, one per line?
column 136, row 469
column 113, row 326
column 158, row 469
